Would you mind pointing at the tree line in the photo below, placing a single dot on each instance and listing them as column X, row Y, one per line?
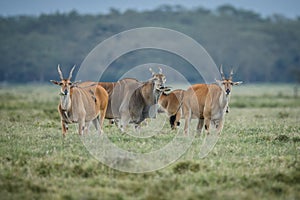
column 260, row 49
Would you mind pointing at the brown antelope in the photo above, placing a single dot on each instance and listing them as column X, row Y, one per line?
column 171, row 103
column 81, row 103
column 208, row 103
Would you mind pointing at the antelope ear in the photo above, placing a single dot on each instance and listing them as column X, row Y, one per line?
column 237, row 83
column 54, row 82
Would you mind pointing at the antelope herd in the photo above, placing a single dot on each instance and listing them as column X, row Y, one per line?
column 132, row 101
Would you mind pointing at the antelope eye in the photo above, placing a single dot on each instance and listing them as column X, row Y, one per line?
column 231, row 83
column 60, row 83
column 69, row 83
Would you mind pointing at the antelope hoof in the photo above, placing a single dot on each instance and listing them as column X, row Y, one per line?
column 206, row 128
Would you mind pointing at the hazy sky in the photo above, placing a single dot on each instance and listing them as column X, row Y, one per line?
column 289, row 8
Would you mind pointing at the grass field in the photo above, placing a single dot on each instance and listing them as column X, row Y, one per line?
column 256, row 157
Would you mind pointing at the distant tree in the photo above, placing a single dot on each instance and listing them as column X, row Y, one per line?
column 202, row 10
column 166, row 8
column 114, row 12
column 227, row 10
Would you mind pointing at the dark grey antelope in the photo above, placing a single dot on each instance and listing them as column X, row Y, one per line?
column 132, row 101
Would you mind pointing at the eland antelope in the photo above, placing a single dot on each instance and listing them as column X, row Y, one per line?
column 132, row 101
column 171, row 103
column 81, row 103
column 208, row 103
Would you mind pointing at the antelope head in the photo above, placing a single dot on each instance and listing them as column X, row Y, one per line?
column 159, row 79
column 227, row 83
column 66, row 85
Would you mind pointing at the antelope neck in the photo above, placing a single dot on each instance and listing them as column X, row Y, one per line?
column 65, row 102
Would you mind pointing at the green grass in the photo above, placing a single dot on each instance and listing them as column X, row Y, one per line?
column 257, row 156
